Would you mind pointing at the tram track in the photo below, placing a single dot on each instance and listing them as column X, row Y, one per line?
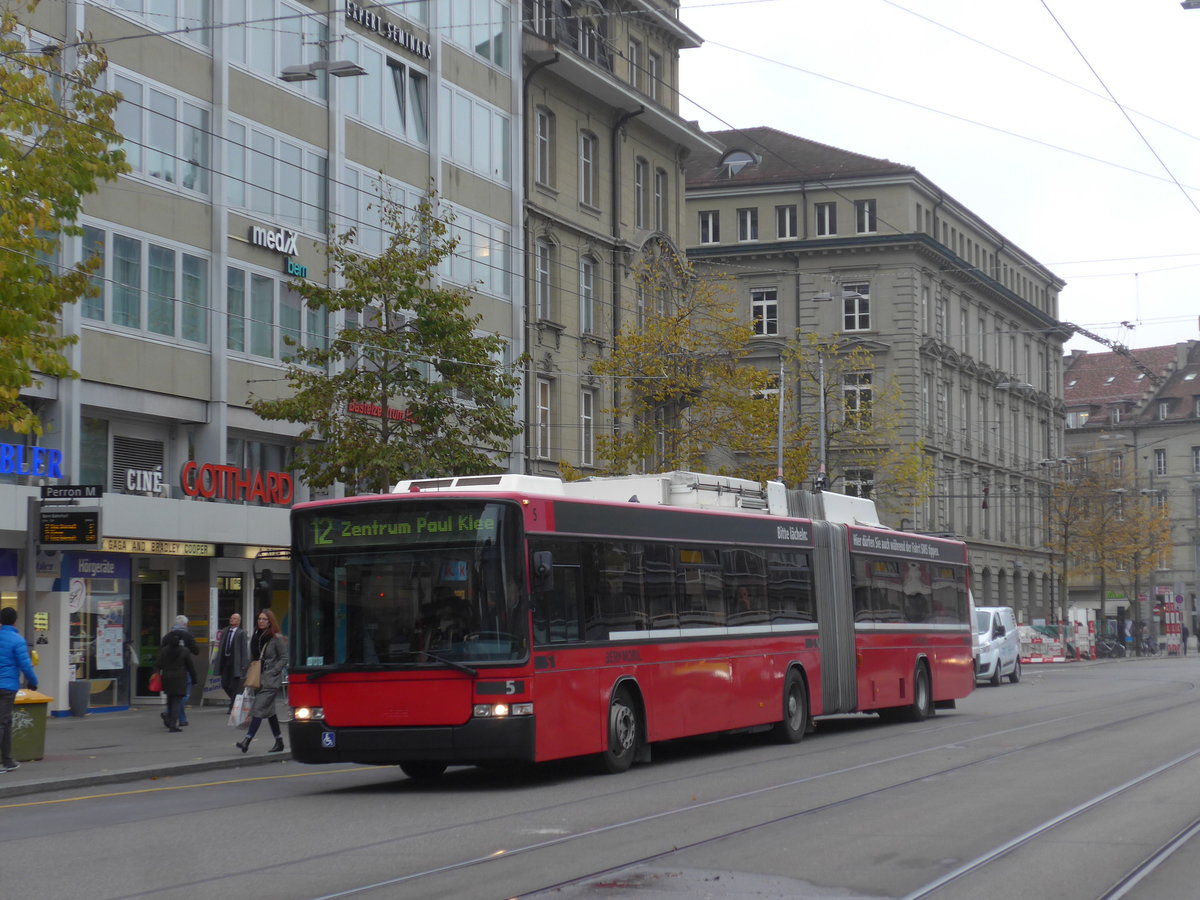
column 1114, row 710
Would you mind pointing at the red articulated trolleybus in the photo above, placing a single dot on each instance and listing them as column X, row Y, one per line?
column 499, row 618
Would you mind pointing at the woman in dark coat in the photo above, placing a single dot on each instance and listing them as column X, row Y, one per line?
column 174, row 666
column 267, row 647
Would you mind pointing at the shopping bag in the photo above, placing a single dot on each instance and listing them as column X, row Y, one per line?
column 241, row 710
column 155, row 684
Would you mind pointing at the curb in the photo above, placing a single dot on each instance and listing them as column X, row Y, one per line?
column 123, row 776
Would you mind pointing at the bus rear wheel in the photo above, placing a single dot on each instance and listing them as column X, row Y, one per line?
column 795, row 710
column 624, row 732
column 423, row 769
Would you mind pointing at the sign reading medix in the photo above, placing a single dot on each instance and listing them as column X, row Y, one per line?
column 278, row 239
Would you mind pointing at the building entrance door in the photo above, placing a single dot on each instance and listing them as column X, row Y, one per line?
column 148, row 626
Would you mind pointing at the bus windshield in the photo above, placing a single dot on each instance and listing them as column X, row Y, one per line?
column 407, row 582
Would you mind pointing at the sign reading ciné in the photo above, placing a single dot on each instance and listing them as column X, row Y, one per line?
column 214, row 482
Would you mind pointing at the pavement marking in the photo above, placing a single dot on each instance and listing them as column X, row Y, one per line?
column 181, row 787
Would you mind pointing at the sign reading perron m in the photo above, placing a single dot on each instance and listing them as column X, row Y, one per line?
column 72, row 491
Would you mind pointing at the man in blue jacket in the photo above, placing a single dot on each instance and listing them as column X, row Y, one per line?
column 14, row 659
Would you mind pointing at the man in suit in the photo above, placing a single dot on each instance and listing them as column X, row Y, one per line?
column 233, row 655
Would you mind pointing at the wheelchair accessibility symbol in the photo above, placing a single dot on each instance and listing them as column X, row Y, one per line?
column 328, row 739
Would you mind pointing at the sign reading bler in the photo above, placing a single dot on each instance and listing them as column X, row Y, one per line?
column 231, row 483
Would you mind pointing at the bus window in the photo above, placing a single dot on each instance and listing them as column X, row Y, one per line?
column 658, row 584
column 700, row 587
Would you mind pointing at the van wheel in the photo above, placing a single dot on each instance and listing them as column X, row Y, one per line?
column 1015, row 675
column 795, row 711
column 995, row 679
column 624, row 732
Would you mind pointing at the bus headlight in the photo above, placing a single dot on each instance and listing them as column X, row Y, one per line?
column 501, row 710
column 308, row 713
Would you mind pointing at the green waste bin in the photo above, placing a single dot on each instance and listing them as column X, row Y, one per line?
column 29, row 725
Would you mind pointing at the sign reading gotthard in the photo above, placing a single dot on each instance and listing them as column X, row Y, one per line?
column 214, row 482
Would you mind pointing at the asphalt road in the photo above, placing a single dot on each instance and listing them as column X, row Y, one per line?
column 1079, row 782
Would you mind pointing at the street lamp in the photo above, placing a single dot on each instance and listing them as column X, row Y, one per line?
column 339, row 68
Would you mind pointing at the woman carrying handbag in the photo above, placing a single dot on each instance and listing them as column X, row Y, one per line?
column 266, row 650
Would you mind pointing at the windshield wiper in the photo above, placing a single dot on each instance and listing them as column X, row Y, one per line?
column 322, row 671
column 449, row 662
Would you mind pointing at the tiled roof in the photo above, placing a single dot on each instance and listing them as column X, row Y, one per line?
column 783, row 158
column 1105, row 379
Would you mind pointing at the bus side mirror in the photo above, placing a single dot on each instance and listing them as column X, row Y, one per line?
column 543, row 570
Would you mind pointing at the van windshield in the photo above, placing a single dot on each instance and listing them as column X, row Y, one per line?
column 983, row 622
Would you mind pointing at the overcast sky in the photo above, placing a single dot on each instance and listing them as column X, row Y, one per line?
column 1005, row 106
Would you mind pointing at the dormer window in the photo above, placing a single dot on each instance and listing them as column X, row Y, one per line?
column 1164, row 409
column 736, row 160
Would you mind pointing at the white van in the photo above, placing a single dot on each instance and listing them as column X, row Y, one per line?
column 999, row 652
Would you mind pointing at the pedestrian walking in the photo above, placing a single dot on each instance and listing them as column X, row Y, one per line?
column 233, row 655
column 180, row 629
column 177, row 671
column 14, row 662
column 1185, row 637
column 266, row 648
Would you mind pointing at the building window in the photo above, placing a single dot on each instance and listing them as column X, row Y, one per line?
column 826, row 215
column 275, row 177
column 764, row 310
column 543, row 170
column 1114, row 415
column 587, row 295
column 541, row 429
column 661, row 213
column 166, row 136
column 587, row 427
column 1164, row 409
column 270, row 35
column 360, row 207
column 392, row 96
column 858, row 482
column 710, row 227
column 589, row 169
column 864, row 216
column 539, row 16
column 1196, row 460
column 148, row 286
column 480, row 27
column 476, row 134
column 481, row 258
column 543, row 266
column 635, row 64
column 653, row 75
column 856, row 399
column 641, row 192
column 856, row 306
column 785, row 221
column 1160, row 462
column 265, row 317
column 748, row 224
column 186, row 20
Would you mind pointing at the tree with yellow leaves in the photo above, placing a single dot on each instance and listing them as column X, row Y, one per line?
column 683, row 392
column 56, row 144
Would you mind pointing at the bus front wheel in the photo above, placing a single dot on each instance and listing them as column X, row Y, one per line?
column 423, row 769
column 795, row 710
column 624, row 731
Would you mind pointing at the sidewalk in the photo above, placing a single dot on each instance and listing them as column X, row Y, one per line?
column 110, row 748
